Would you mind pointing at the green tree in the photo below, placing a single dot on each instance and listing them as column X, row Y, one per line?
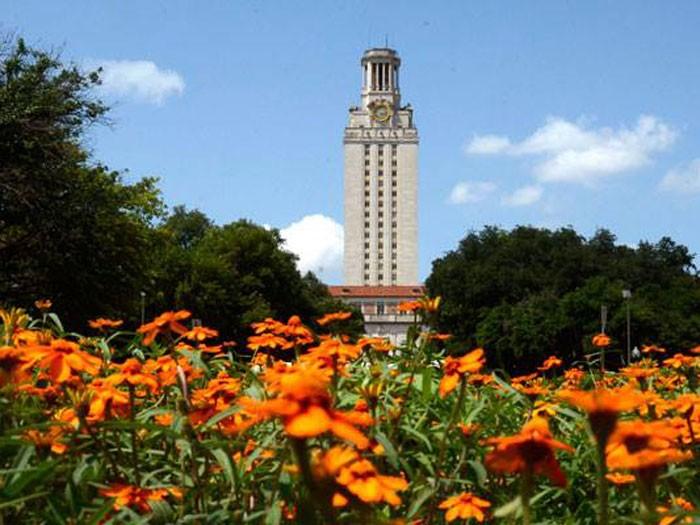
column 230, row 276
column 70, row 229
column 529, row 292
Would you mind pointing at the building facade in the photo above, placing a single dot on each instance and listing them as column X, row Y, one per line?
column 381, row 201
column 381, row 180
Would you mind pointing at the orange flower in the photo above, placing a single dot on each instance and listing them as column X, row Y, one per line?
column 603, row 407
column 639, row 445
column 43, row 304
column 409, row 306
column 333, row 317
column 530, row 450
column 165, row 420
column 670, row 518
column 653, row 349
column 361, row 479
column 639, row 372
column 61, row 359
column 378, row 344
column 480, row 379
column 271, row 341
column 680, row 361
column 429, row 304
column 132, row 373
column 11, row 369
column 300, row 334
column 332, row 353
column 457, row 368
column 304, row 404
column 357, row 476
column 219, row 395
column 617, row 478
column 464, row 506
column 164, row 323
column 523, row 379
column 136, row 497
column 468, row 429
column 600, row 340
column 544, row 409
column 103, row 324
column 432, row 336
column 50, row 439
column 549, row 363
column 200, row 333
column 106, row 400
column 573, row 377
column 165, row 369
column 532, row 391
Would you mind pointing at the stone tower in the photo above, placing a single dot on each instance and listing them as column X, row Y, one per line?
column 381, row 180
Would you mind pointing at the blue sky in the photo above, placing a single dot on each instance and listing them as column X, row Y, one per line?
column 546, row 113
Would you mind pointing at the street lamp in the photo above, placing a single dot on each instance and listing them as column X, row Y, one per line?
column 143, row 307
column 627, row 295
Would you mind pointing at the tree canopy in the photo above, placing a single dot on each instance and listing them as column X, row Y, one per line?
column 73, row 231
column 70, row 229
column 529, row 292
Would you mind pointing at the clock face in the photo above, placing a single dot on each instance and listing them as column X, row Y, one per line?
column 381, row 111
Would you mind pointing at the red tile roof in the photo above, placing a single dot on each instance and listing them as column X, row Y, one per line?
column 377, row 291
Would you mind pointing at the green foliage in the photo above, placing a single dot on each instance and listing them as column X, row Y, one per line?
column 528, row 293
column 234, row 274
column 69, row 229
column 75, row 232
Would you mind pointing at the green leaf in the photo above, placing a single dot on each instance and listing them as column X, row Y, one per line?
column 423, row 495
column 389, row 449
column 224, row 461
column 19, row 482
column 511, row 507
column 17, row 501
column 427, row 386
column 479, row 470
column 274, row 515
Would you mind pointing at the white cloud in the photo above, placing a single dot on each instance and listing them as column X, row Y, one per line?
column 683, row 180
column 468, row 192
column 318, row 242
column 487, row 145
column 141, row 80
column 525, row 196
column 575, row 152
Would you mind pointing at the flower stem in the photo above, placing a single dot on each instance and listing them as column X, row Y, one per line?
column 134, row 438
column 526, row 493
column 602, row 486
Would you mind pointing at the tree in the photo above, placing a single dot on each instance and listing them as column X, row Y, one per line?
column 232, row 275
column 70, row 229
column 528, row 293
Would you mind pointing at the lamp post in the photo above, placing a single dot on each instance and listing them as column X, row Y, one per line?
column 143, row 307
column 627, row 295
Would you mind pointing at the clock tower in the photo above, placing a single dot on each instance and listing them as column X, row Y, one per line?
column 381, row 180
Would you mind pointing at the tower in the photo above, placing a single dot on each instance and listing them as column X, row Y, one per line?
column 381, row 180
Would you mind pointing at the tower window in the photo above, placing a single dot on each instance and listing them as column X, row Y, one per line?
column 366, row 162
